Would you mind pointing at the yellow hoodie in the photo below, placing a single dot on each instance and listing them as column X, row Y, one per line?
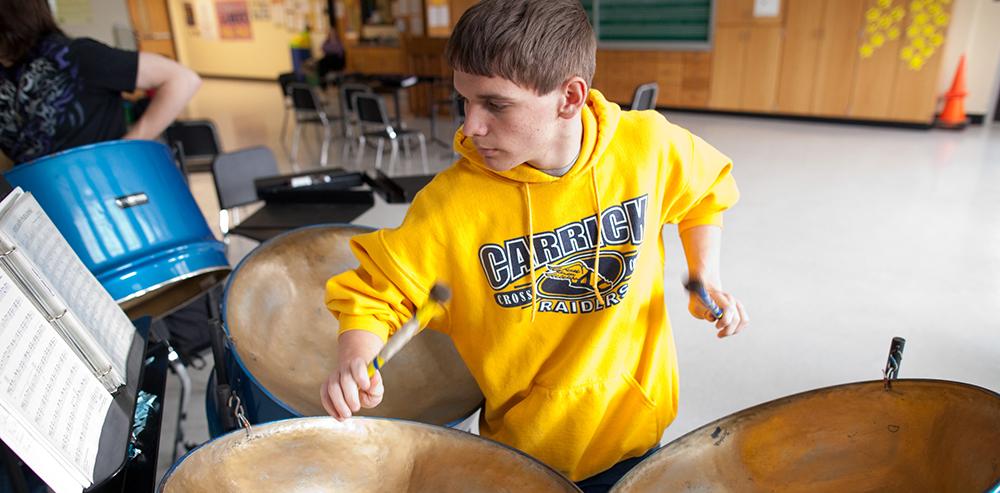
column 586, row 375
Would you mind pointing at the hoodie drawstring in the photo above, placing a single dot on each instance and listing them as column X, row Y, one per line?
column 531, row 247
column 597, row 251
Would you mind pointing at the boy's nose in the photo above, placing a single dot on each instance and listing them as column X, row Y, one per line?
column 474, row 126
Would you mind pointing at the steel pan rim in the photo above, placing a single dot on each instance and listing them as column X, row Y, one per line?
column 781, row 400
column 463, row 435
column 225, row 304
column 90, row 147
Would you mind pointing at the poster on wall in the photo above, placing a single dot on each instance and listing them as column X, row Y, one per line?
column 260, row 10
column 188, row 14
column 234, row 19
column 205, row 18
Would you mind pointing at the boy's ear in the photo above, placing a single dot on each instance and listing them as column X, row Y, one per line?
column 574, row 92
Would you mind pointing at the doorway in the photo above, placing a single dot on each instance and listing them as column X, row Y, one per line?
column 151, row 21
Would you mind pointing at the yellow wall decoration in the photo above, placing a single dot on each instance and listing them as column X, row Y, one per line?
column 882, row 25
column 925, row 34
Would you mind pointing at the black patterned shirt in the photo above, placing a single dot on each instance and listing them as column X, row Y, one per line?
column 65, row 93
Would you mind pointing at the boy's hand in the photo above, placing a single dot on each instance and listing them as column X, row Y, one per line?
column 349, row 389
column 734, row 316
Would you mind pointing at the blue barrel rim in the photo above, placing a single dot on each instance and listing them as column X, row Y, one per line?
column 225, row 303
column 418, row 424
column 88, row 147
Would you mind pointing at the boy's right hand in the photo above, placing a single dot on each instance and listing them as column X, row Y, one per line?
column 349, row 389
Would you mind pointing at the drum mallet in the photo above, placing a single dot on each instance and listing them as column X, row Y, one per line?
column 439, row 294
column 696, row 287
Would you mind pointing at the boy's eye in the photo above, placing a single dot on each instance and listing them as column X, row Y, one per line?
column 495, row 106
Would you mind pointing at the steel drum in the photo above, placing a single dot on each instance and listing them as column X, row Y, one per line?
column 922, row 435
column 125, row 209
column 283, row 341
column 361, row 454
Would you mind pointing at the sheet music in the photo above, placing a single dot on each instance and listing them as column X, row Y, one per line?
column 28, row 226
column 47, row 390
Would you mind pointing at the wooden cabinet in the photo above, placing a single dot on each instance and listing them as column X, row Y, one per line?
column 835, row 60
column 818, row 56
column 745, row 61
column 741, row 12
column 682, row 76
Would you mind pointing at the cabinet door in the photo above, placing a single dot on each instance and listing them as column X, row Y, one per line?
column 914, row 96
column 760, row 68
column 733, row 11
column 875, row 77
column 728, row 55
column 800, row 47
column 838, row 55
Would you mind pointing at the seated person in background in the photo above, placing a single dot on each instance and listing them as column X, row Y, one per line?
column 57, row 93
column 548, row 230
column 333, row 56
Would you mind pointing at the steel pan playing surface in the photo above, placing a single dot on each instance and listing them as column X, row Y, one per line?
column 286, row 339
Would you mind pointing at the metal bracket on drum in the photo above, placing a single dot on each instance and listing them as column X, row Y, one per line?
column 236, row 405
column 891, row 371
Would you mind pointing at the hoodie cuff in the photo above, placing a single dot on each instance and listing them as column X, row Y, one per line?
column 361, row 322
column 709, row 220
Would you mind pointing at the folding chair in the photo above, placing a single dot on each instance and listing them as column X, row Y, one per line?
column 234, row 174
column 197, row 142
column 645, row 97
column 372, row 115
column 285, row 80
column 309, row 108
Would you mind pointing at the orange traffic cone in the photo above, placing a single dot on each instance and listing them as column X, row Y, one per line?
column 953, row 115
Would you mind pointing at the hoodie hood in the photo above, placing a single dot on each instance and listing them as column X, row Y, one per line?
column 600, row 119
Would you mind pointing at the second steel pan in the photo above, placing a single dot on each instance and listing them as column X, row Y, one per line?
column 922, row 435
column 283, row 340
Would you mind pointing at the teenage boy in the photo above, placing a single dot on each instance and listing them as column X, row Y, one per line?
column 547, row 230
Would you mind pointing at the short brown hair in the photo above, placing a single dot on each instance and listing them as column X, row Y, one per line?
column 537, row 44
column 23, row 24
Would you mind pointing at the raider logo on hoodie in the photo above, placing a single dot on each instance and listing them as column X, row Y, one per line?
column 567, row 278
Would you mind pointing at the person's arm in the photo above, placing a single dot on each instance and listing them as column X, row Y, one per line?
column 175, row 84
column 349, row 389
column 702, row 248
column 6, row 163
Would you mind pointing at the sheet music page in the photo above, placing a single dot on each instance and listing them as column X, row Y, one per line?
column 33, row 232
column 45, row 387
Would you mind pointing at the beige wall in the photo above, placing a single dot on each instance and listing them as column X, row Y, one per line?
column 975, row 31
column 263, row 57
column 104, row 15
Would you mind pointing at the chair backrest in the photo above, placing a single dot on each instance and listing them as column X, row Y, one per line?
column 286, row 79
column 371, row 110
column 305, row 97
column 347, row 92
column 645, row 97
column 235, row 172
column 197, row 138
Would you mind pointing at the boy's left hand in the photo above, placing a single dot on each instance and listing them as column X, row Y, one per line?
column 734, row 316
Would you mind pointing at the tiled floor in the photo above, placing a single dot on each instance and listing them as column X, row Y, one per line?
column 846, row 236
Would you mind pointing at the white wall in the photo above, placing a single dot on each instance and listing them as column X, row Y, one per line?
column 105, row 14
column 975, row 31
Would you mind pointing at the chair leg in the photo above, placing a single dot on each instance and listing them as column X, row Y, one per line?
column 296, row 135
column 284, row 125
column 423, row 152
column 361, row 152
column 378, row 153
column 325, row 148
column 393, row 157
